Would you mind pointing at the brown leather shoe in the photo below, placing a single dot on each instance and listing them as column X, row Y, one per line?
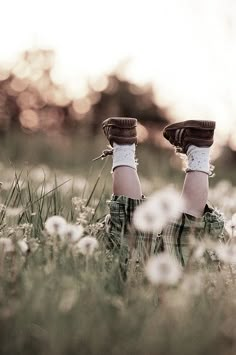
column 120, row 130
column 183, row 134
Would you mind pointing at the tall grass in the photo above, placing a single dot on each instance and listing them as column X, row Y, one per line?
column 56, row 301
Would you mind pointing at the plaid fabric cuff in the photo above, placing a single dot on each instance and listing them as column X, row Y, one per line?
column 174, row 237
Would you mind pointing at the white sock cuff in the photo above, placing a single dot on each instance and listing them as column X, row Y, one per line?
column 198, row 159
column 124, row 155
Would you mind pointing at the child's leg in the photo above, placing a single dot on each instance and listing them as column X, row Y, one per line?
column 195, row 193
column 196, row 186
column 125, row 178
column 127, row 193
column 194, row 138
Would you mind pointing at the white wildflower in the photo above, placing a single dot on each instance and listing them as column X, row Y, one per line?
column 87, row 245
column 156, row 212
column 163, row 270
column 55, row 225
column 226, row 252
column 78, row 202
column 23, row 246
column 73, row 233
column 7, row 245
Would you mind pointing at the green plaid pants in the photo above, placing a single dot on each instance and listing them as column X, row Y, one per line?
column 174, row 238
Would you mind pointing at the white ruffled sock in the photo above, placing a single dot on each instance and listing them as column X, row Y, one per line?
column 198, row 159
column 124, row 155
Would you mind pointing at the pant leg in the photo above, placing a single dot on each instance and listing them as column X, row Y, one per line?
column 121, row 232
column 176, row 235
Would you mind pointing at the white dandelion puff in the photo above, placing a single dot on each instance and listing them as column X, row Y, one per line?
column 73, row 233
column 230, row 227
column 199, row 251
column 226, row 252
column 7, row 245
column 156, row 212
column 163, row 270
column 23, row 246
column 87, row 245
column 55, row 225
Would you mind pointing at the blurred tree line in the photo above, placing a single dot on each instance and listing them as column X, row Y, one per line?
column 32, row 103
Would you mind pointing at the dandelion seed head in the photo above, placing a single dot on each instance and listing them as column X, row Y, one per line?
column 199, row 251
column 7, row 245
column 24, row 248
column 163, row 270
column 55, row 225
column 230, row 227
column 226, row 252
column 87, row 245
column 154, row 213
column 146, row 218
column 72, row 233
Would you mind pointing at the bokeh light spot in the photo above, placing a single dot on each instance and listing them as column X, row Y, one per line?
column 142, row 133
column 99, row 84
column 4, row 75
column 81, row 106
column 29, row 120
